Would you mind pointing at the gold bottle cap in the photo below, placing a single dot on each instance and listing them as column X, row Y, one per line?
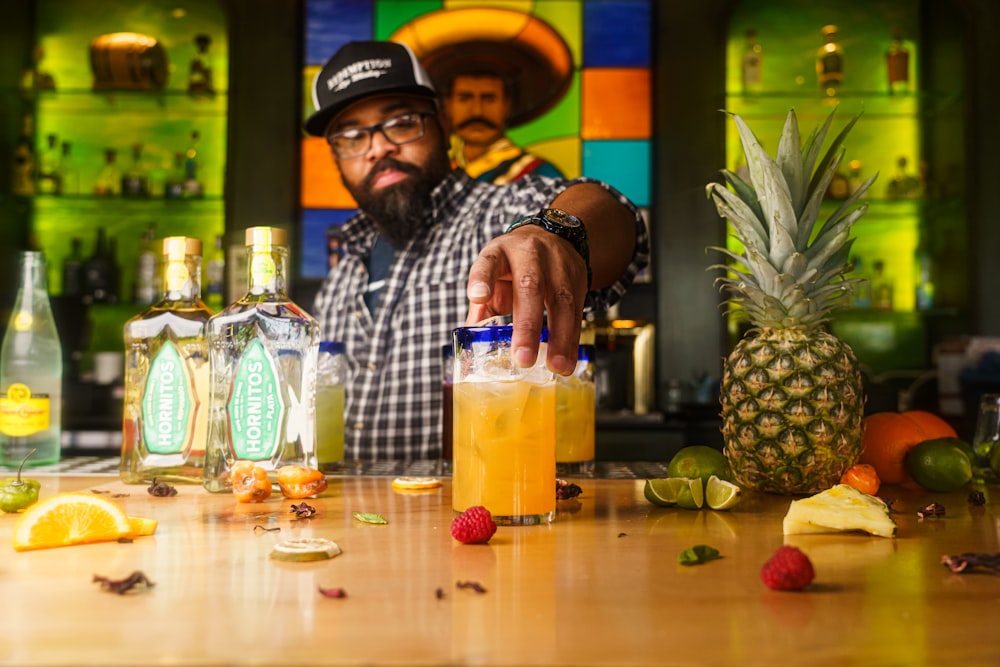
column 179, row 246
column 266, row 236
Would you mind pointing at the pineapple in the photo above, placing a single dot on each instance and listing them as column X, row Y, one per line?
column 841, row 508
column 791, row 394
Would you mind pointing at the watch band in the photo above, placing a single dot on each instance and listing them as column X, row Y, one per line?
column 564, row 225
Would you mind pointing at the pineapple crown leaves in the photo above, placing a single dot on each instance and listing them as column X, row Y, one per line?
column 790, row 273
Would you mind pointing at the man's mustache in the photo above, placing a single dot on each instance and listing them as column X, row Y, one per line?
column 389, row 163
column 478, row 119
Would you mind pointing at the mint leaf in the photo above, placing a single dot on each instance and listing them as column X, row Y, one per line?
column 369, row 518
column 697, row 555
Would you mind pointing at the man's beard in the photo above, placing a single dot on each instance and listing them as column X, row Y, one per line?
column 398, row 209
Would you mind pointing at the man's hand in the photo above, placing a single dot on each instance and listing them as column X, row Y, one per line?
column 526, row 273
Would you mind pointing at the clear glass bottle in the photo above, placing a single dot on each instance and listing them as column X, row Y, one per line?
column 830, row 62
column 263, row 350
column 193, row 187
column 174, row 186
column 31, row 368
column 215, row 276
column 69, row 175
column 753, row 64
column 897, row 61
column 100, row 282
column 135, row 179
column 49, row 182
column 72, row 269
column 109, row 180
column 144, row 290
column 165, row 422
column 331, row 376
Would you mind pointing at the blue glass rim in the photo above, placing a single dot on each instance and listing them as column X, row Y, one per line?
column 464, row 336
column 587, row 353
column 331, row 347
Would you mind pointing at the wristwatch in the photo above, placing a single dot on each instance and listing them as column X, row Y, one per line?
column 564, row 225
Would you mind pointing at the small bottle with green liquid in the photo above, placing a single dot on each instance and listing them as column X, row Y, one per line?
column 263, row 350
column 165, row 423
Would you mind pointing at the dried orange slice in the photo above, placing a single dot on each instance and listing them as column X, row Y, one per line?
column 70, row 518
column 415, row 483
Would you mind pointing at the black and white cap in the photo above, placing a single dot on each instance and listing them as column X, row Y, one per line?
column 363, row 69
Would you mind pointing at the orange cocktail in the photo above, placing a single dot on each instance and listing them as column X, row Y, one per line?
column 504, row 432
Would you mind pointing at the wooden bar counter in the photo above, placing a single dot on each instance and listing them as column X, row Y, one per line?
column 599, row 586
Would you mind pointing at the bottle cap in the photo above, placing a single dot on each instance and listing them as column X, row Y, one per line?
column 179, row 246
column 266, row 236
column 331, row 347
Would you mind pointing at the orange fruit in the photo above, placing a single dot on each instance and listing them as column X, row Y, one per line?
column 888, row 436
column 70, row 518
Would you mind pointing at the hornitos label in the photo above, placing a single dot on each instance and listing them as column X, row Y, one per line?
column 255, row 407
column 22, row 413
column 168, row 403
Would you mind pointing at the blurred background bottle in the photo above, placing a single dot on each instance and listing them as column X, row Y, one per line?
column 31, row 372
column 830, row 62
column 145, row 289
column 100, row 272
column 753, row 64
column 215, row 276
column 23, row 164
column 135, row 178
column 897, row 60
column 193, row 187
column 200, row 72
column 69, row 175
column 109, row 178
column 48, row 178
column 72, row 270
column 167, row 365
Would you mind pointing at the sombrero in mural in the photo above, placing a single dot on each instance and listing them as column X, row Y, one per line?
column 517, row 46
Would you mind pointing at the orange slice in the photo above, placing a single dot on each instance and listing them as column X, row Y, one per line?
column 415, row 483
column 141, row 526
column 70, row 518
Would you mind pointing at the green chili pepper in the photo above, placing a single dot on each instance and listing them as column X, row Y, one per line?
column 17, row 494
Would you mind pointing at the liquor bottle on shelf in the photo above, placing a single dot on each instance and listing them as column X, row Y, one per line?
column 23, row 167
column 31, row 372
column 854, row 177
column 839, row 187
column 925, row 281
column 830, row 62
column 215, row 276
column 100, row 272
column 263, row 348
column 108, row 182
column 863, row 290
column 174, row 186
column 904, row 185
column 897, row 60
column 165, row 420
column 882, row 289
column 145, row 288
column 200, row 73
column 69, row 175
column 192, row 168
column 135, row 179
column 49, row 180
column 73, row 270
column 753, row 64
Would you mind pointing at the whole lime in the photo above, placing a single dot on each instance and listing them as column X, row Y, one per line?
column 699, row 461
column 941, row 464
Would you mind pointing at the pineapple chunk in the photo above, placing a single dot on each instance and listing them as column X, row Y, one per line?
column 841, row 508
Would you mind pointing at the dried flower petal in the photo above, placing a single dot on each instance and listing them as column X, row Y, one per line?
column 970, row 561
column 932, row 510
column 566, row 490
column 303, row 510
column 123, row 586
column 977, row 498
column 161, row 489
column 439, row 593
column 474, row 585
column 332, row 592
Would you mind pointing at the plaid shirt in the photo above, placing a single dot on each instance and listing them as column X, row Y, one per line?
column 393, row 408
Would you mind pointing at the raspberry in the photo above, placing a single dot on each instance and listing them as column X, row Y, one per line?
column 787, row 570
column 474, row 526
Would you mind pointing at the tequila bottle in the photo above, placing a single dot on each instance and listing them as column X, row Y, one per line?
column 897, row 60
column 31, row 372
column 165, row 422
column 753, row 64
column 135, row 181
column 264, row 352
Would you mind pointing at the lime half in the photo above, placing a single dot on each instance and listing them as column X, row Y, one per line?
column 720, row 494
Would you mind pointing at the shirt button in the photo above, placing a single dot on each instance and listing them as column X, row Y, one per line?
column 372, row 367
column 357, row 314
column 359, row 426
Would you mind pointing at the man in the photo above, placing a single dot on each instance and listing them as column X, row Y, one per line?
column 478, row 105
column 427, row 252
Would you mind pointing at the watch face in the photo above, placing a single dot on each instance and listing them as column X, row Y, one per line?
column 561, row 217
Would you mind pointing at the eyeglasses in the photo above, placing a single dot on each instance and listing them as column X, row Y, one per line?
column 398, row 130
